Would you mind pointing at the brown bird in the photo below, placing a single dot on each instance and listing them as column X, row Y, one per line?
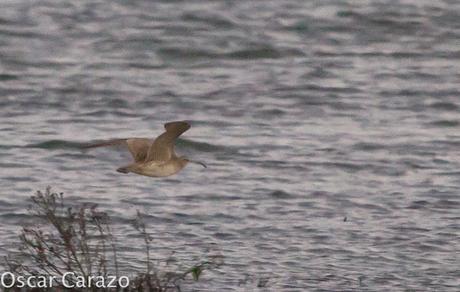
column 154, row 158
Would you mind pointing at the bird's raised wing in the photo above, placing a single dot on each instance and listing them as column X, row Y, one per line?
column 162, row 148
column 138, row 147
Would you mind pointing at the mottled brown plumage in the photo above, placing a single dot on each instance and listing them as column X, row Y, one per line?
column 154, row 158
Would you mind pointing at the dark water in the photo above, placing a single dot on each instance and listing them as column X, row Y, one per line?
column 306, row 112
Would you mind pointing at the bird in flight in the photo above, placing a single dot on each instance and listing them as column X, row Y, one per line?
column 154, row 157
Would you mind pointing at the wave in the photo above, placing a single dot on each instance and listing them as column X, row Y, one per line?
column 57, row 144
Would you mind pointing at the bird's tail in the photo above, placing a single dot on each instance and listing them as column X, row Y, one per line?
column 123, row 169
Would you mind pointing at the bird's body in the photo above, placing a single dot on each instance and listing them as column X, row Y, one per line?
column 155, row 158
column 155, row 168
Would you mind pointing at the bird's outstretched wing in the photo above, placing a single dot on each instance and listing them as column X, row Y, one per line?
column 162, row 148
column 138, row 147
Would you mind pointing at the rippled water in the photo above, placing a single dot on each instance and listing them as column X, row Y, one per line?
column 307, row 113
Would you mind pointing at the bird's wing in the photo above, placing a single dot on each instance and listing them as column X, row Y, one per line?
column 162, row 148
column 138, row 147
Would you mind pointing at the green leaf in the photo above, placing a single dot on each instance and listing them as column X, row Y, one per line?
column 196, row 272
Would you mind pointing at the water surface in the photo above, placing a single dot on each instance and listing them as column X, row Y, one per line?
column 306, row 113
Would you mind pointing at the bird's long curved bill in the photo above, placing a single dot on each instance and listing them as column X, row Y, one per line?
column 199, row 162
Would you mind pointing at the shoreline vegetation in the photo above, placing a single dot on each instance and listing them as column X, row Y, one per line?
column 75, row 248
